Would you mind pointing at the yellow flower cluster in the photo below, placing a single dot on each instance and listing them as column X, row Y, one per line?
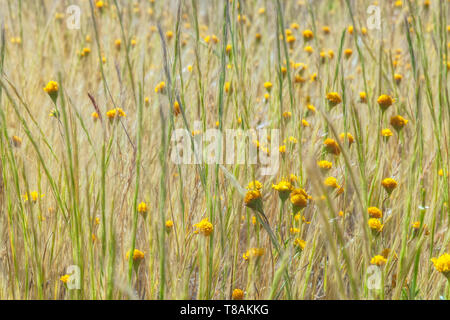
column 375, row 224
column 378, row 260
column 51, row 87
column 442, row 264
column 137, row 255
column 334, row 98
column 204, row 227
column 117, row 112
column 253, row 253
column 374, row 212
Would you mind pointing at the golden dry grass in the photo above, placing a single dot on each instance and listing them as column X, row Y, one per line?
column 90, row 176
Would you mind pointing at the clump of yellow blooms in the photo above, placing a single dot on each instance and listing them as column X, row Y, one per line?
column 227, row 87
column 284, row 188
column 311, row 108
column 94, row 116
column 398, row 122
column 51, row 87
column 389, row 184
column 268, row 85
column 332, row 146
column 138, row 255
column 299, row 199
column 176, row 108
column 169, row 35
column 34, row 196
column 117, row 112
column 375, row 225
column 350, row 138
column 333, row 98
column 237, row 294
column 385, row 101
column 142, row 208
column 16, row 141
column 386, row 133
column 348, row 53
column 287, row 114
column 378, row 260
column 415, row 225
column 160, row 87
column 331, row 182
column 374, row 212
column 204, row 227
column 308, row 35
column 253, row 199
column 253, row 253
column 325, row 165
column 442, row 264
column 65, row 278
column 299, row 244
column 85, row 52
column 99, row 4
column 16, row 40
column 362, row 97
column 169, row 225
column 308, row 49
column 118, row 43
column 254, row 185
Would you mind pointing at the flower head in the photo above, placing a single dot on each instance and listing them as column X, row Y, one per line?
column 386, row 133
column 389, row 185
column 142, row 208
column 375, row 225
column 385, row 101
column 350, row 138
column 253, row 199
column 268, row 85
column 137, row 255
column 333, row 98
column 51, row 87
column 65, row 278
column 253, row 253
column 378, row 260
column 442, row 264
column 374, row 212
column 362, row 97
column 204, row 227
column 237, row 294
column 16, row 141
column 284, row 188
column 325, row 165
column 299, row 199
column 169, row 225
column 332, row 146
column 299, row 244
column 254, row 185
column 308, row 35
column 398, row 122
column 160, row 87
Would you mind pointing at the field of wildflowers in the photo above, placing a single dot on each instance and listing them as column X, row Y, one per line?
column 353, row 96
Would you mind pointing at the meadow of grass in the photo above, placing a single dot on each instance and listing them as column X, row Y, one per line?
column 357, row 210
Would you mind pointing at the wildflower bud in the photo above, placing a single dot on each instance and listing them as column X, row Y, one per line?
column 237, row 294
column 169, row 226
column 52, row 89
